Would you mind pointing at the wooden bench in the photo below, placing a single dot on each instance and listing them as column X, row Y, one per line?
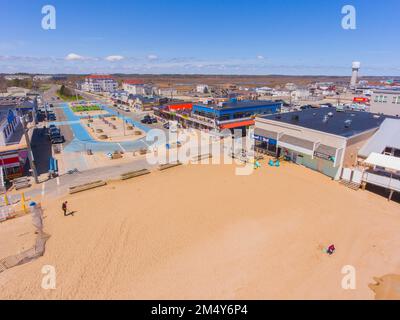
column 134, row 174
column 169, row 165
column 86, row 186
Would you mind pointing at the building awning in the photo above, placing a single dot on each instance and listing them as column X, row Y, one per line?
column 326, row 150
column 297, row 144
column 237, row 124
column 384, row 161
column 266, row 133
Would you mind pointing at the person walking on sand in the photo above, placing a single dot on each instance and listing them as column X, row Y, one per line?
column 64, row 208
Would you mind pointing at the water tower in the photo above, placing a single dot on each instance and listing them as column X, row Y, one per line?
column 355, row 68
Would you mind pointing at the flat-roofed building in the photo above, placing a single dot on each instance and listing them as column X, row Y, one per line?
column 325, row 140
column 99, row 83
column 386, row 102
column 135, row 86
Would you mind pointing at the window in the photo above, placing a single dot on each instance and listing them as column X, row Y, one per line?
column 388, row 151
column 396, row 99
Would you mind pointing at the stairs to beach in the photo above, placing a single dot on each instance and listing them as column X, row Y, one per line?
column 350, row 184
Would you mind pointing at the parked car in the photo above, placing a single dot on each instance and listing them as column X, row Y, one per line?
column 57, row 139
column 51, row 116
column 53, row 131
column 147, row 119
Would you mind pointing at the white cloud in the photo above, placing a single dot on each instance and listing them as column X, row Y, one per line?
column 260, row 57
column 152, row 57
column 114, row 58
column 74, row 57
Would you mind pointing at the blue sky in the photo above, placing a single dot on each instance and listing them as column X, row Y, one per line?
column 209, row 37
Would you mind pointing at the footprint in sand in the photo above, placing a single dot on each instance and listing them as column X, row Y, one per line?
column 386, row 287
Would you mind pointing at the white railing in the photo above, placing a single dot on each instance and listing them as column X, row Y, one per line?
column 382, row 181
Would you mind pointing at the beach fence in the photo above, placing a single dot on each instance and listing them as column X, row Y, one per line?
column 26, row 256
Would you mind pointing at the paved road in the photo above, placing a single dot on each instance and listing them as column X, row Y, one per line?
column 59, row 186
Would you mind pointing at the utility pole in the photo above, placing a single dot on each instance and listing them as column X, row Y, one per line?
column 30, row 154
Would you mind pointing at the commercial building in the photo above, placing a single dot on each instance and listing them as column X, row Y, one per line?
column 13, row 149
column 167, row 92
column 134, row 86
column 386, row 102
column 324, row 139
column 225, row 115
column 99, row 83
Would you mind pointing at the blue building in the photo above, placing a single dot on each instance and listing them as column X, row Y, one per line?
column 235, row 110
column 227, row 115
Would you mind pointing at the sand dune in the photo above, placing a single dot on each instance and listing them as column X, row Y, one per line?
column 200, row 232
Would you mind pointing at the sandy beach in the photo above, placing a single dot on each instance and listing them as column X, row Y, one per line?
column 201, row 232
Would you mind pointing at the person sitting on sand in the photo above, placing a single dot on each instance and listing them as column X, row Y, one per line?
column 331, row 249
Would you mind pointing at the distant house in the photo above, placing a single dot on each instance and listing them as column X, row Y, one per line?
column 264, row 91
column 202, row 88
column 11, row 77
column 42, row 77
column 167, row 92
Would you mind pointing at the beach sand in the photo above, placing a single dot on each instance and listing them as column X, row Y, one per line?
column 201, row 232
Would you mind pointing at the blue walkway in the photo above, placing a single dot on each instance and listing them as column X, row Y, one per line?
column 83, row 141
column 129, row 120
